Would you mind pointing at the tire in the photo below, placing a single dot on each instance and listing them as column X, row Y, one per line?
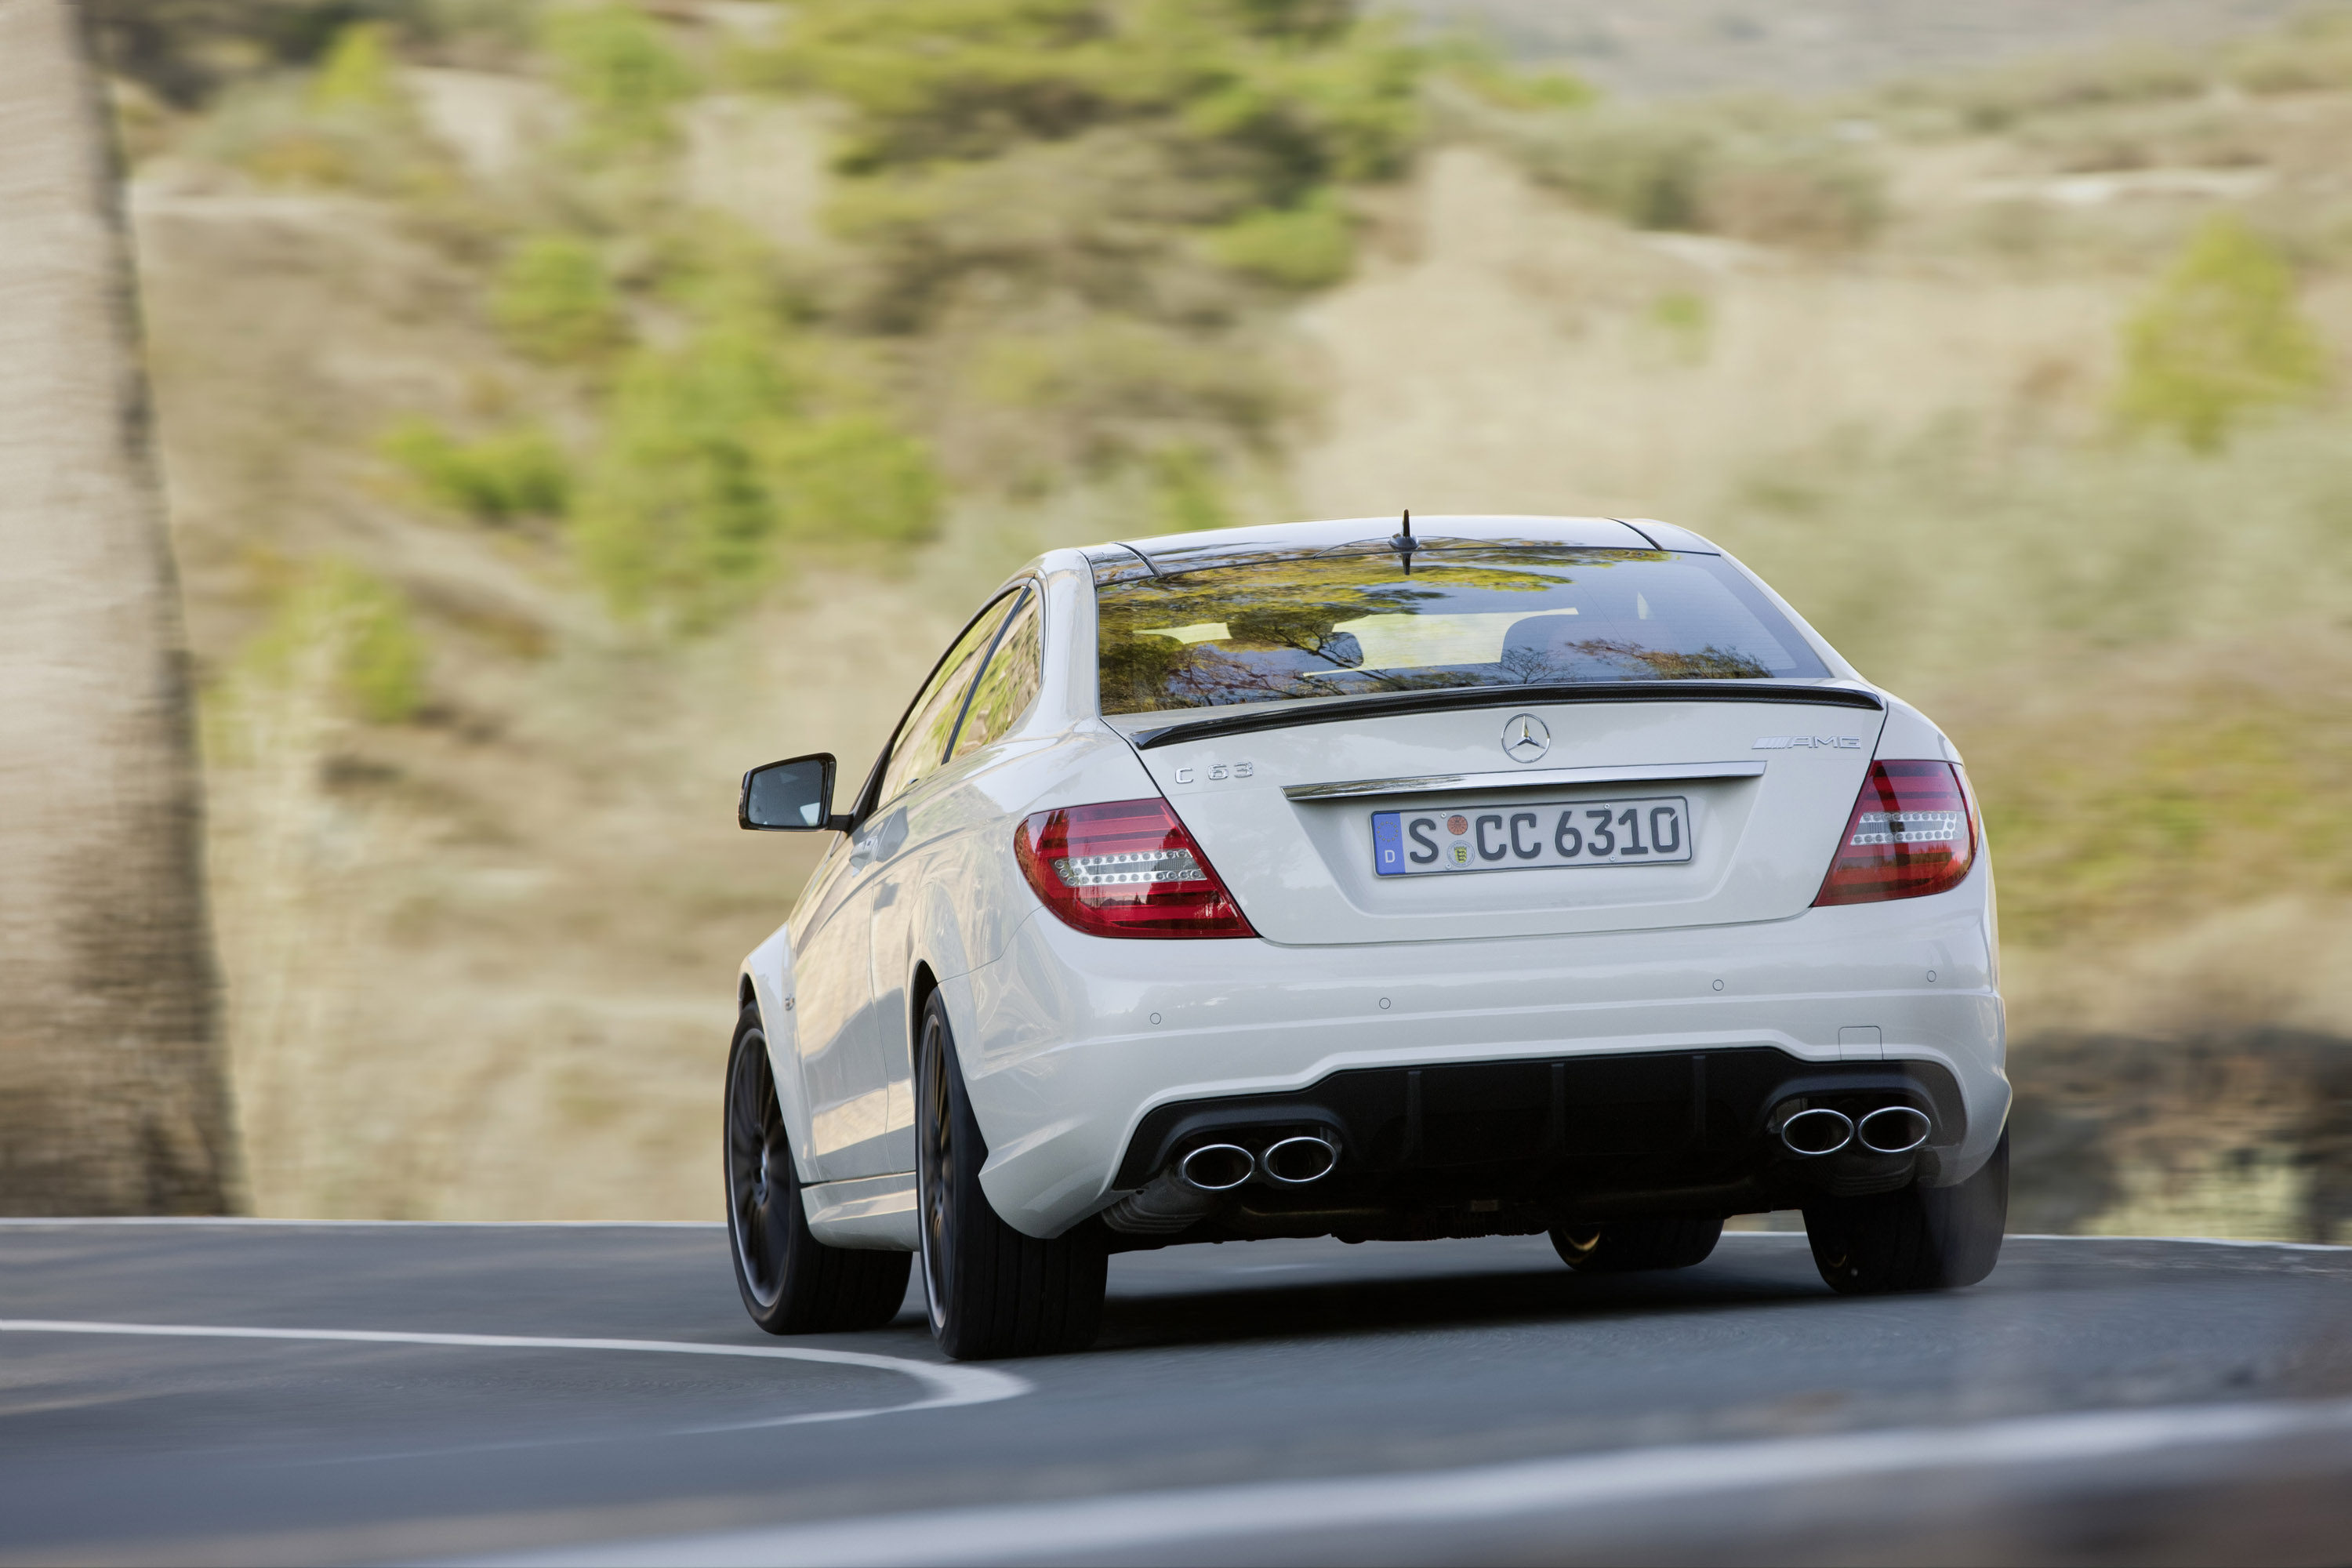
column 1633, row 1246
column 993, row 1291
column 1914, row 1239
column 792, row 1283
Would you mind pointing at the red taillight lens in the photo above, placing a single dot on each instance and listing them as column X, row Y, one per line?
column 1911, row 834
column 1128, row 868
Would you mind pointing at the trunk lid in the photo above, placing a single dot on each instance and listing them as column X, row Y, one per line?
column 1282, row 803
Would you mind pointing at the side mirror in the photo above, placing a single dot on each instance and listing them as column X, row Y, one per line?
column 791, row 797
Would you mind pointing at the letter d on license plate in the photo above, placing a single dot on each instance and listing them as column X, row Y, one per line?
column 1654, row 831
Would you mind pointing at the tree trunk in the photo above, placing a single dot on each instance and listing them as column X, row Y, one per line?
column 113, row 1092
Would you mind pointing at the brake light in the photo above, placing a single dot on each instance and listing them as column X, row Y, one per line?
column 1911, row 833
column 1128, row 868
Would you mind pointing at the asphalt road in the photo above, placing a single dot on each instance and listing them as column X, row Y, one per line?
column 593, row 1394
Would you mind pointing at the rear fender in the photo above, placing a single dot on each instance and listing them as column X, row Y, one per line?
column 1908, row 734
column 940, row 947
column 769, row 970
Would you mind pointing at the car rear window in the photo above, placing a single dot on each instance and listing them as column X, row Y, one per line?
column 1283, row 626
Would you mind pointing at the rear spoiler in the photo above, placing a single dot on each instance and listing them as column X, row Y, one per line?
column 1339, row 710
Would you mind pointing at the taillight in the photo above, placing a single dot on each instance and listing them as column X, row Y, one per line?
column 1911, row 834
column 1128, row 868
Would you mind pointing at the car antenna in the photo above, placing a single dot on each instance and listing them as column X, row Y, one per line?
column 1140, row 555
column 1405, row 543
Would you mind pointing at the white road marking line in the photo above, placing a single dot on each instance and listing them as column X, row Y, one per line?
column 13, row 1222
column 2197, row 1241
column 951, row 1384
column 1646, row 1476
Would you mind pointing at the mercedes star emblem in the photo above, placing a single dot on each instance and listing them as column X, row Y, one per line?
column 1525, row 738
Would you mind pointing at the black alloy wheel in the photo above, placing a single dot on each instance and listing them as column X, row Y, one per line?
column 791, row 1282
column 1916, row 1238
column 1633, row 1246
column 991, row 1292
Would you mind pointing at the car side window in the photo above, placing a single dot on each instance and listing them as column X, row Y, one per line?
column 1009, row 684
column 922, row 744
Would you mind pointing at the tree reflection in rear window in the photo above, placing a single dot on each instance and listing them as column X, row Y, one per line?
column 1280, row 624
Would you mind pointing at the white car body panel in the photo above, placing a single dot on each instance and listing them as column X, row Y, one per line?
column 1067, row 1041
column 1238, row 1017
column 1303, row 870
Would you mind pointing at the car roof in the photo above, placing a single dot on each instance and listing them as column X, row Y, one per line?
column 1224, row 546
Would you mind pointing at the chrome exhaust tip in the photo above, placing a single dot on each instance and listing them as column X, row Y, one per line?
column 1894, row 1129
column 1817, row 1132
column 1217, row 1167
column 1295, row 1161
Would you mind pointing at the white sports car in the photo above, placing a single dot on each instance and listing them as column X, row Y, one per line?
column 1495, row 875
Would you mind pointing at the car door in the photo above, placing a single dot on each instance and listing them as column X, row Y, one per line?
column 842, row 1067
column 999, row 696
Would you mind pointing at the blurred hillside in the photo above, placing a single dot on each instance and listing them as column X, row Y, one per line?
column 1681, row 47
column 564, row 406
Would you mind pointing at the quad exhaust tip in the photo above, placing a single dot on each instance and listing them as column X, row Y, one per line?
column 1889, row 1130
column 1295, row 1161
column 1894, row 1129
column 1217, row 1167
column 1817, row 1132
column 1289, row 1162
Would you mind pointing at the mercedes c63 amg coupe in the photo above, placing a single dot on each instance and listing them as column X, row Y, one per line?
column 1455, row 876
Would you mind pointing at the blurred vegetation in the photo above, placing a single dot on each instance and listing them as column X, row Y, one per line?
column 341, row 627
column 613, row 63
column 500, row 478
column 1041, row 278
column 1305, row 247
column 1276, row 98
column 555, row 301
column 2222, row 792
column 711, row 459
column 350, row 125
column 186, row 51
column 1058, row 229
column 2221, row 338
column 1765, row 172
column 2311, row 53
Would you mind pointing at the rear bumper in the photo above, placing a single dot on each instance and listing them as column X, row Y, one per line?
column 1516, row 1147
column 1082, row 1053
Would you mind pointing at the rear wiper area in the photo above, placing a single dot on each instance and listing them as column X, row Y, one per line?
column 1337, row 710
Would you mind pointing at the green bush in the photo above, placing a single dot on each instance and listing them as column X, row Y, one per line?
column 1747, row 172
column 351, row 125
column 852, row 478
column 2221, row 338
column 1481, row 70
column 1112, row 390
column 1104, row 219
column 711, row 457
column 1311, row 245
column 555, row 301
column 1646, row 169
column 613, row 62
column 383, row 665
column 358, row 72
column 351, row 632
column 504, row 476
column 1293, row 93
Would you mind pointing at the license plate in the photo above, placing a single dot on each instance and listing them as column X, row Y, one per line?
column 1650, row 831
